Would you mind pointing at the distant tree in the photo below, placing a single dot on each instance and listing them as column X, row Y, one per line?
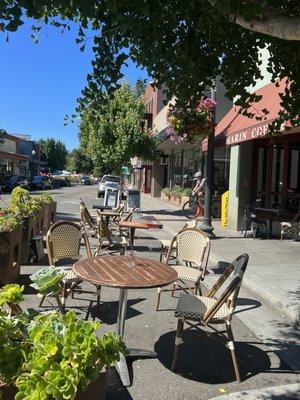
column 54, row 153
column 78, row 162
column 112, row 134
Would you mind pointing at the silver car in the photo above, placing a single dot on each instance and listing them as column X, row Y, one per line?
column 109, row 181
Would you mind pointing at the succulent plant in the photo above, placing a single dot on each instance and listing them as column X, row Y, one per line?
column 47, row 280
column 51, row 356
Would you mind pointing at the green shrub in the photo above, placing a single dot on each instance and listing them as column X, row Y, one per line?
column 51, row 356
column 22, row 204
column 8, row 221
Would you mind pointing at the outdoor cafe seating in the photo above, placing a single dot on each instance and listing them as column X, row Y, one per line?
column 192, row 254
column 63, row 246
column 205, row 311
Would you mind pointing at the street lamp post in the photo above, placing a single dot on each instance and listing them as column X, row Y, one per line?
column 206, row 224
column 33, row 168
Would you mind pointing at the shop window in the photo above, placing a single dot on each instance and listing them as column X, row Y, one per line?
column 293, row 187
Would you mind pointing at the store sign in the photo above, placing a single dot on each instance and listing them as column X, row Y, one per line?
column 112, row 197
column 248, row 134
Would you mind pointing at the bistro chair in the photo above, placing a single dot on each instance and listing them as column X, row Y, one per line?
column 251, row 221
column 206, row 311
column 192, row 253
column 95, row 228
column 165, row 243
column 109, row 244
column 291, row 228
column 63, row 245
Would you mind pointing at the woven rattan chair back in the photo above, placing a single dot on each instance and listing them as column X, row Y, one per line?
column 63, row 241
column 230, row 293
column 86, row 217
column 192, row 246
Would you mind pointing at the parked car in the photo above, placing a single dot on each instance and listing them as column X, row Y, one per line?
column 13, row 181
column 109, row 181
column 86, row 180
column 41, row 183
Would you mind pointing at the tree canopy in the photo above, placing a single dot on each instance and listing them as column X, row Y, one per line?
column 79, row 162
column 113, row 134
column 54, row 153
column 184, row 44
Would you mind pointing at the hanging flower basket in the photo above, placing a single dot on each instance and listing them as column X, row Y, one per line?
column 189, row 124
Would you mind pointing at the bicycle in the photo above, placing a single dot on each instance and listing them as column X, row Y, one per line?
column 194, row 207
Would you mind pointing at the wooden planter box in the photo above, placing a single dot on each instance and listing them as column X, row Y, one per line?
column 29, row 229
column 10, row 255
column 51, row 214
column 184, row 199
column 95, row 391
column 176, row 201
column 165, row 197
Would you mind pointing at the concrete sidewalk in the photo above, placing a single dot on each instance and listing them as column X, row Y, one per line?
column 271, row 288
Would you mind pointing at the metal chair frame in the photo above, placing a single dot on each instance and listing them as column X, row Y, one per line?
column 228, row 298
column 255, row 222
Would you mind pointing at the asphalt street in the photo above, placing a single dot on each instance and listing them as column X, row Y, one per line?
column 204, row 367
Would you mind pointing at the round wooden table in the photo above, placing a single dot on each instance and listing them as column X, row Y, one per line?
column 118, row 272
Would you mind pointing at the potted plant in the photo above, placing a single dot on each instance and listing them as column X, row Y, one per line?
column 10, row 246
column 190, row 123
column 26, row 209
column 165, row 194
column 52, row 356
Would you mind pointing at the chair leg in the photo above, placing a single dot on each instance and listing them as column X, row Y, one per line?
column 158, row 298
column 42, row 301
column 98, row 287
column 231, row 347
column 64, row 295
column 198, row 288
column 178, row 341
column 162, row 252
column 173, row 289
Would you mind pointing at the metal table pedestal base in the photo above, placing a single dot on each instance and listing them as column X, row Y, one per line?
column 122, row 364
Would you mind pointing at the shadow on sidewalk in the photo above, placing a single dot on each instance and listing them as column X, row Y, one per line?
column 209, row 361
column 175, row 213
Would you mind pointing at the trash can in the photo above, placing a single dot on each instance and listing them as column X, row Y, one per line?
column 133, row 199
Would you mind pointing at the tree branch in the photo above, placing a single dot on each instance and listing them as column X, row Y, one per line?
column 286, row 28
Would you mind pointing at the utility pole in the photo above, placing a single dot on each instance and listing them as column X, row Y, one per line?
column 206, row 224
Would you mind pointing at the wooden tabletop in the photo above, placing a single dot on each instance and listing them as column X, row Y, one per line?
column 133, row 224
column 116, row 271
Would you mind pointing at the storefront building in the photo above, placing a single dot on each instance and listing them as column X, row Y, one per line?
column 12, row 162
column 263, row 170
column 177, row 163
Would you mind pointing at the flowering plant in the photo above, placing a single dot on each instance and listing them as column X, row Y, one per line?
column 189, row 123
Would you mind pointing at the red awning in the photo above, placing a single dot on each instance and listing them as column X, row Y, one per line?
column 236, row 128
column 13, row 156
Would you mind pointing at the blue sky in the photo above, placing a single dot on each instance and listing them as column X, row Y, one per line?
column 40, row 82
